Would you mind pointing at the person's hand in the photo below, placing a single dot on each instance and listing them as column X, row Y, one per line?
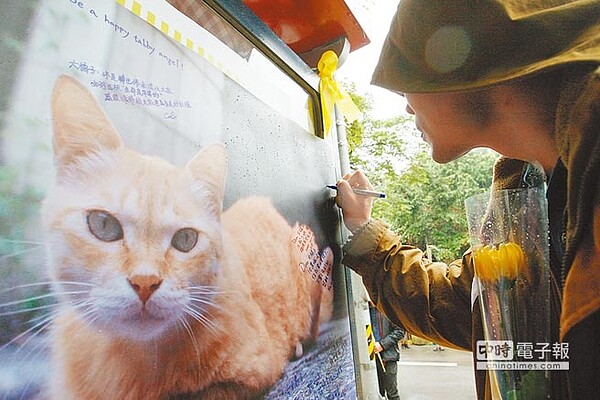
column 378, row 347
column 356, row 209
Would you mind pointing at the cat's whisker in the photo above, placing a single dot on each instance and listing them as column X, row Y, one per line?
column 76, row 283
column 27, row 285
column 44, row 307
column 74, row 305
column 41, row 323
column 15, row 241
column 204, row 303
column 89, row 316
column 94, row 315
column 202, row 320
column 88, row 307
column 40, row 326
column 208, row 302
column 48, row 318
column 40, row 285
column 46, row 321
column 38, row 347
column 47, row 283
column 196, row 311
column 69, row 293
column 199, row 316
column 40, row 297
column 191, row 334
column 51, row 314
column 207, row 290
column 58, row 310
column 209, row 294
column 19, row 252
column 202, row 288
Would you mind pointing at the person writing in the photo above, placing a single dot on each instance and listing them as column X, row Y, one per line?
column 521, row 78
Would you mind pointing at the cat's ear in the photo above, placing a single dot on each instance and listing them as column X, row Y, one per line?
column 209, row 166
column 80, row 125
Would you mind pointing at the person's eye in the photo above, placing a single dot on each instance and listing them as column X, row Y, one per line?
column 104, row 226
column 185, row 239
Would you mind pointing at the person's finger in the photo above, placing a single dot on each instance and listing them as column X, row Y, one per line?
column 344, row 187
column 343, row 191
column 361, row 180
column 338, row 200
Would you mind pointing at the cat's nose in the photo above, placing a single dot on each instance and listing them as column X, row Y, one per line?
column 145, row 285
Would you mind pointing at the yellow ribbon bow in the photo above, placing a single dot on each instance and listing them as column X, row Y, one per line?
column 331, row 92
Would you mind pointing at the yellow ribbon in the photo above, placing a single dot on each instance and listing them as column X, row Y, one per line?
column 331, row 92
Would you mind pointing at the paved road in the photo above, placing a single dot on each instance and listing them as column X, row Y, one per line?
column 424, row 374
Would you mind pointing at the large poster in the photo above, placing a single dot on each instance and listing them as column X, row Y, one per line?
column 165, row 227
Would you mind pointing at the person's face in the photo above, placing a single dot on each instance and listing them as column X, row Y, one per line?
column 451, row 123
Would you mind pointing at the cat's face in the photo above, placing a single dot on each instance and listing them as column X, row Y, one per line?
column 134, row 242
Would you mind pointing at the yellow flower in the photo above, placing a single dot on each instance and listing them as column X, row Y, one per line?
column 505, row 261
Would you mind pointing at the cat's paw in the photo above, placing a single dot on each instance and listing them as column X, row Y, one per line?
column 303, row 347
column 298, row 351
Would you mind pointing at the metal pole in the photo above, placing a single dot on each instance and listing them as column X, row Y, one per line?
column 367, row 386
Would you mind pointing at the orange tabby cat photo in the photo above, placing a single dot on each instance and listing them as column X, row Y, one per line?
column 161, row 292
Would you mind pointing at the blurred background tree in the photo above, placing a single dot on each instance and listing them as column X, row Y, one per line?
column 19, row 257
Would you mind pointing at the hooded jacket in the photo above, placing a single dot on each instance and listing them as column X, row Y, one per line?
column 441, row 46
column 433, row 299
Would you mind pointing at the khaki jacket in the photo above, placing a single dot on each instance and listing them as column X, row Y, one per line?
column 433, row 299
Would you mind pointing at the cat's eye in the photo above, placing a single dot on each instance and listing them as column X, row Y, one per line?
column 185, row 239
column 104, row 226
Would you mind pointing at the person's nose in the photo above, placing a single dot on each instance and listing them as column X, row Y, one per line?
column 409, row 109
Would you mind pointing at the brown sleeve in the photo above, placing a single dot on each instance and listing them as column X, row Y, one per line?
column 430, row 299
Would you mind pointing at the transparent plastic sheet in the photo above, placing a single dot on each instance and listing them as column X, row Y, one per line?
column 508, row 230
column 171, row 90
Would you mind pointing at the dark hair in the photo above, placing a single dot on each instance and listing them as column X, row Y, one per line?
column 478, row 107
